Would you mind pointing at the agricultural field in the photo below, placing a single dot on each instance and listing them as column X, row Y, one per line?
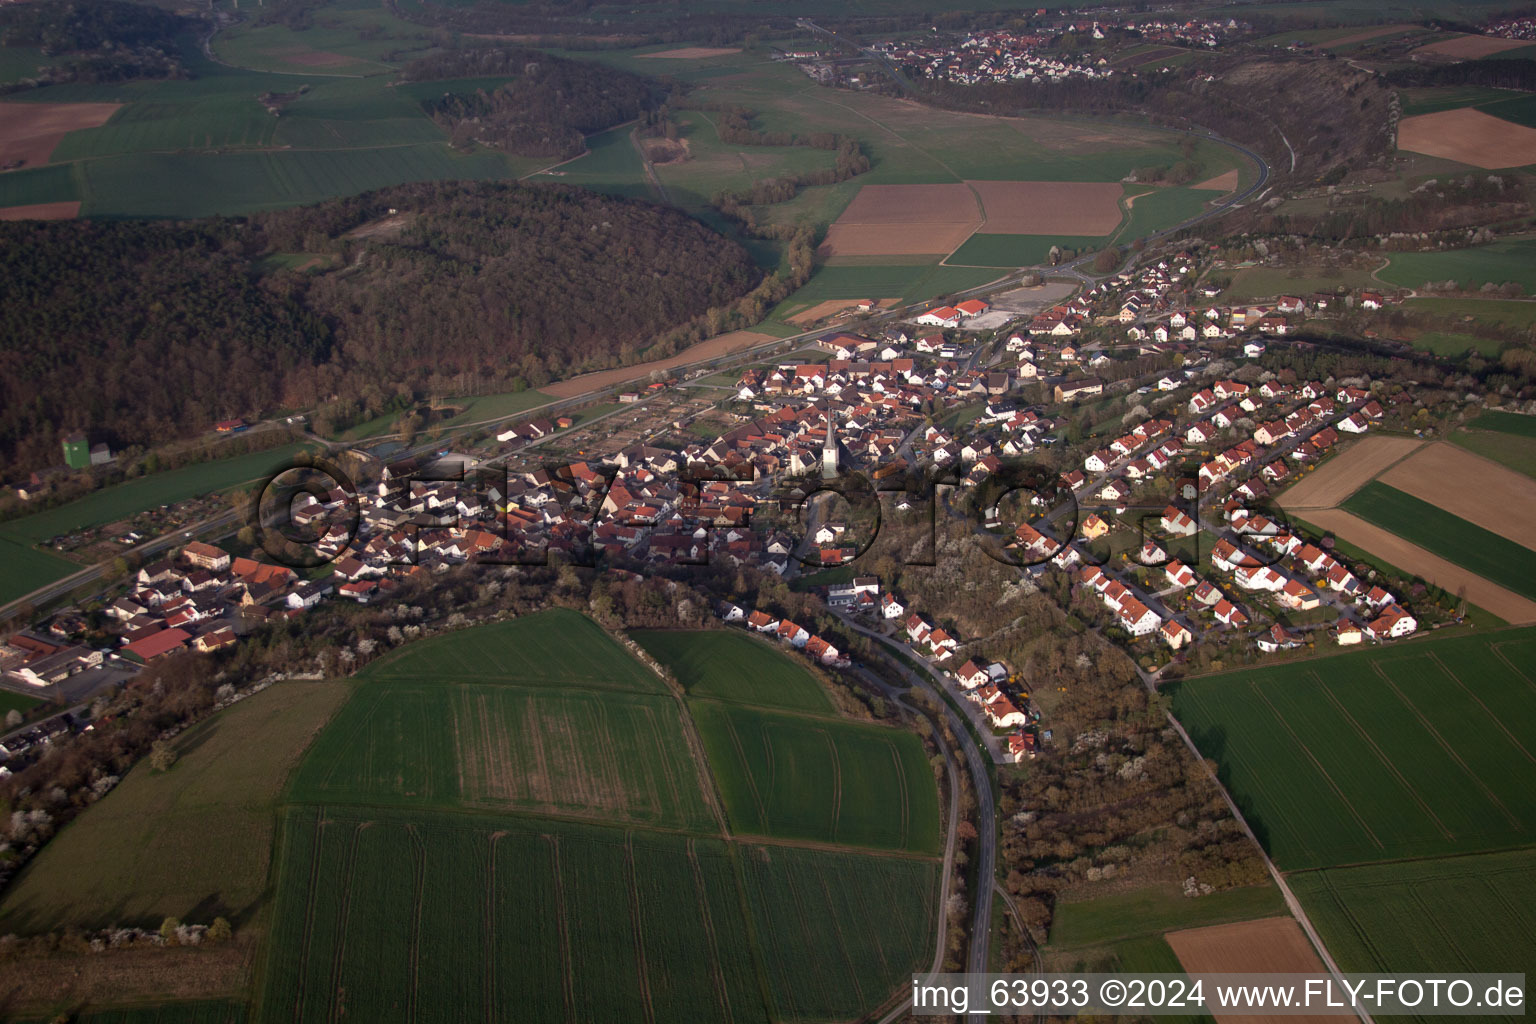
column 386, row 916
column 192, row 842
column 1473, row 913
column 1505, row 423
column 1153, row 910
column 443, row 742
column 1511, row 260
column 1250, row 283
column 1160, row 209
column 1479, row 550
column 23, row 568
column 553, row 648
column 734, row 667
column 1418, row 749
column 206, row 1012
column 440, row 799
column 1513, row 451
column 836, row 929
column 1009, row 251
column 825, row 780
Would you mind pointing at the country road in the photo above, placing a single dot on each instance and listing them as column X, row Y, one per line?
column 986, row 810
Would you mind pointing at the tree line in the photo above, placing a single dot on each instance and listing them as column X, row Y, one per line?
column 95, row 41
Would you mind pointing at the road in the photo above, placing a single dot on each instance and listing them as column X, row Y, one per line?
column 986, row 810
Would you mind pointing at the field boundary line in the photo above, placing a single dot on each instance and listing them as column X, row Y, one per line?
column 1491, row 716
column 716, row 971
column 837, row 782
column 1381, row 755
column 344, row 913
column 1302, row 746
column 419, row 887
column 901, row 785
column 1440, row 742
column 567, row 978
column 637, row 927
column 1495, row 648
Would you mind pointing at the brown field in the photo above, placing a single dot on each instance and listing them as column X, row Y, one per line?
column 822, row 310
column 40, row 986
column 1368, row 34
column 691, row 53
column 1476, row 489
column 1347, row 472
column 319, row 59
column 900, row 220
column 709, row 348
column 1273, row 944
column 1469, row 136
column 1468, row 47
column 1449, row 576
column 1221, row 183
column 42, row 211
column 30, row 131
column 1049, row 207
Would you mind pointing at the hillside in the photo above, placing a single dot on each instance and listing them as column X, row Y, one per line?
column 143, row 332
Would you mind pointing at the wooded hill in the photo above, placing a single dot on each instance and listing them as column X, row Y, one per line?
column 143, row 332
column 95, row 40
column 547, row 108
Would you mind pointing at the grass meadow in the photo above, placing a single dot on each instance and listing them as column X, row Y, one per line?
column 1009, row 251
column 1414, row 750
column 1468, row 545
column 732, row 666
column 1153, row 910
column 823, row 780
column 1510, row 260
column 1512, row 450
column 1508, row 312
column 191, row 842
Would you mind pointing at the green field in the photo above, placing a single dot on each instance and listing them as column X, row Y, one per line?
column 1468, row 545
column 1511, row 450
column 423, row 917
column 833, row 927
column 1008, row 251
column 912, row 283
column 1268, row 282
column 1163, row 208
column 1411, row 750
column 1512, row 260
column 823, row 780
column 192, row 842
column 120, row 501
column 11, row 701
column 1508, row 312
column 1432, row 99
column 732, row 666
column 445, row 742
column 1153, row 910
column 1473, row 913
column 23, row 568
column 553, row 647
column 1453, row 343
column 1505, row 423
column 428, row 867
column 33, row 185
column 611, row 164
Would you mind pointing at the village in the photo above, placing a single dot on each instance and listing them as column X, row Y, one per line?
column 1166, row 524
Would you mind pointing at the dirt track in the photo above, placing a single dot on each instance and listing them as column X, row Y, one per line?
column 1270, row 944
column 1469, row 136
column 1347, row 472
column 1411, row 558
column 41, row 211
column 720, row 345
column 1470, row 486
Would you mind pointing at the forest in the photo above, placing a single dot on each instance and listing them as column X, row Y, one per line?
column 95, row 40
column 142, row 332
column 544, row 112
